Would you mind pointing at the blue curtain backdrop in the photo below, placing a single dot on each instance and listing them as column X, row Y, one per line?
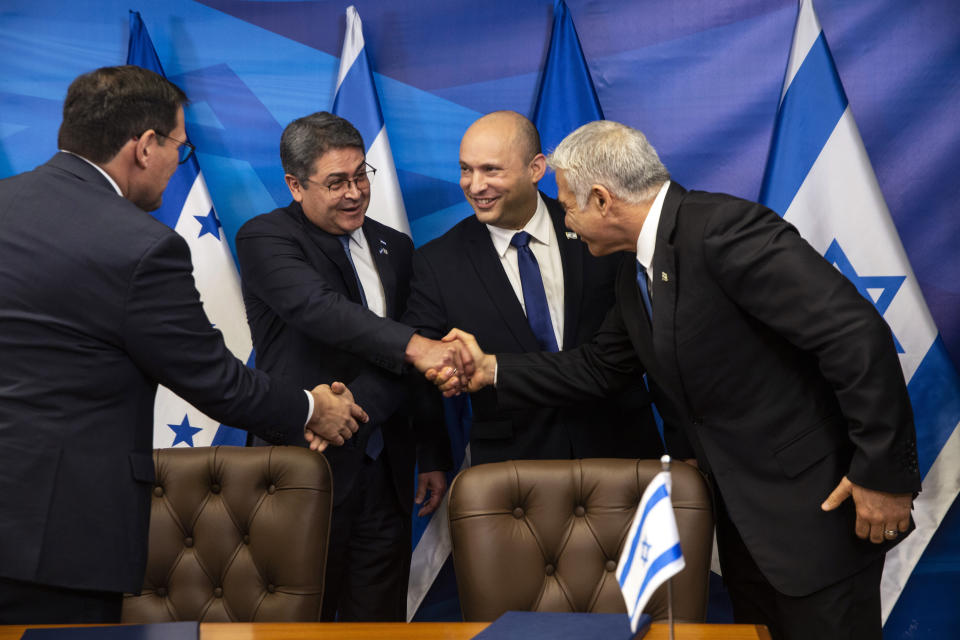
column 701, row 78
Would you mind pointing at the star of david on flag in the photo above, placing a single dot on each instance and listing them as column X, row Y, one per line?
column 820, row 179
column 188, row 209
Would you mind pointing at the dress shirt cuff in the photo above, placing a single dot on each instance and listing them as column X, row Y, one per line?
column 309, row 407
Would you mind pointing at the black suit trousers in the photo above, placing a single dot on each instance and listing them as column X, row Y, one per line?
column 369, row 563
column 847, row 610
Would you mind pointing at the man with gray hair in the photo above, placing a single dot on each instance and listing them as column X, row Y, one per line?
column 785, row 380
column 323, row 285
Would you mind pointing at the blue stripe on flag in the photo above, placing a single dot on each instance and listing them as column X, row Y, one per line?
column 811, row 108
column 935, row 395
column 357, row 101
column 665, row 558
column 567, row 97
column 658, row 495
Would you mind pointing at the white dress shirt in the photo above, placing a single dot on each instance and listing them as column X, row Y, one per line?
column 647, row 240
column 367, row 272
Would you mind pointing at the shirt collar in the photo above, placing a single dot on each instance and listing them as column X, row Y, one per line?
column 106, row 175
column 647, row 240
column 538, row 227
column 357, row 238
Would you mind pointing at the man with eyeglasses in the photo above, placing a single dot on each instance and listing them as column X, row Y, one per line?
column 323, row 285
column 97, row 306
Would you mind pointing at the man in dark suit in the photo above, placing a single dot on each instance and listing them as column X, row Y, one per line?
column 474, row 278
column 98, row 306
column 784, row 378
column 323, row 285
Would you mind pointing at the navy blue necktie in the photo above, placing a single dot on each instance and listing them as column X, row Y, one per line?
column 345, row 241
column 534, row 297
column 644, row 285
column 375, row 441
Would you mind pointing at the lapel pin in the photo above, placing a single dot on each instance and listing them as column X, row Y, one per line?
column 571, row 235
column 663, row 276
column 383, row 247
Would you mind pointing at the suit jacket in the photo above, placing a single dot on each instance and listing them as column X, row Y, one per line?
column 460, row 282
column 308, row 322
column 97, row 306
column 783, row 376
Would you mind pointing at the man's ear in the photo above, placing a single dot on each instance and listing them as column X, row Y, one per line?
column 144, row 148
column 296, row 189
column 602, row 197
column 538, row 167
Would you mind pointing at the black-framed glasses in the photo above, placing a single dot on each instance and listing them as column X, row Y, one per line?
column 185, row 149
column 361, row 181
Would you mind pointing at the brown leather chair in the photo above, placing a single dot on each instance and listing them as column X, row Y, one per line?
column 546, row 535
column 236, row 534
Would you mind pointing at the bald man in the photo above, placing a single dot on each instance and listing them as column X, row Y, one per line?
column 518, row 280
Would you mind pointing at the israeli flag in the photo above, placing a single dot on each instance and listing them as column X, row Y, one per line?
column 820, row 178
column 356, row 100
column 567, row 98
column 188, row 209
column 651, row 553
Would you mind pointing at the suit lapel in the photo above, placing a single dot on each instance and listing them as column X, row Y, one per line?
column 481, row 253
column 330, row 246
column 664, row 272
column 571, row 257
column 382, row 259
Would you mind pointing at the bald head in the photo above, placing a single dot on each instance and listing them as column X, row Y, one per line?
column 500, row 166
column 511, row 127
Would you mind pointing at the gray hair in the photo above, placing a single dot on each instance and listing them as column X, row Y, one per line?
column 307, row 138
column 612, row 154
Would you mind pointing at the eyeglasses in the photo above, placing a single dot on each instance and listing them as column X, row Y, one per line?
column 361, row 181
column 185, row 149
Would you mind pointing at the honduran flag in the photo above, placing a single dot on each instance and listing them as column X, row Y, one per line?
column 356, row 100
column 188, row 209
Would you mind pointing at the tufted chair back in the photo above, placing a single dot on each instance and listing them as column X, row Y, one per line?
column 236, row 534
column 545, row 535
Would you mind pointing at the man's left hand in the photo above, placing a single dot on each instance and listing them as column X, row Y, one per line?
column 434, row 482
column 880, row 516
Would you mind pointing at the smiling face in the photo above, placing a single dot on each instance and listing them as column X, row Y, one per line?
column 587, row 222
column 336, row 213
column 497, row 173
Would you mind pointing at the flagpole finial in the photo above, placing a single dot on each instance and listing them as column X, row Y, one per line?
column 665, row 463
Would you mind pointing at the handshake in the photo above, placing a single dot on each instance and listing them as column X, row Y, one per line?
column 454, row 364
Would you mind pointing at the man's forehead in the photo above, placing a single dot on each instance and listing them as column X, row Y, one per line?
column 346, row 160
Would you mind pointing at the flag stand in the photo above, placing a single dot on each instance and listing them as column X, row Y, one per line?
column 665, row 466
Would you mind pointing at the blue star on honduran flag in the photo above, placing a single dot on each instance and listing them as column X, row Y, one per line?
column 188, row 209
column 820, row 178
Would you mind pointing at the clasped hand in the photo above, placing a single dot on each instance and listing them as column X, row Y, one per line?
column 335, row 416
column 453, row 381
